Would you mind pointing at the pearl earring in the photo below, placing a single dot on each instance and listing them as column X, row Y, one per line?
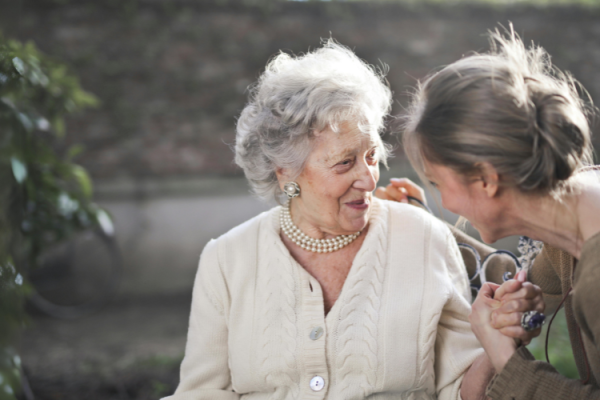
column 291, row 189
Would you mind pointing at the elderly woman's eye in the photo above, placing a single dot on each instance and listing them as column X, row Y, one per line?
column 433, row 184
column 373, row 156
column 344, row 165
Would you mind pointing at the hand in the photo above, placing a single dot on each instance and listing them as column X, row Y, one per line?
column 399, row 189
column 498, row 347
column 517, row 296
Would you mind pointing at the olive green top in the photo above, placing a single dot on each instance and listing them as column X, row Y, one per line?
column 527, row 379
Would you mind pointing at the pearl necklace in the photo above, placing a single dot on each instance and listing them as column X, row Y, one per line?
column 307, row 243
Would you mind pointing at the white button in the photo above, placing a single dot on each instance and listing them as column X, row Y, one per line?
column 317, row 383
column 316, row 333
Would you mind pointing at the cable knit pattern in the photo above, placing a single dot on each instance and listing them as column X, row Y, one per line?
column 278, row 331
column 426, row 373
column 426, row 367
column 357, row 330
column 427, row 377
column 392, row 334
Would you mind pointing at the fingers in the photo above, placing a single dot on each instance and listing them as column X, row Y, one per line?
column 521, row 305
column 512, row 299
column 398, row 193
column 527, row 291
column 486, row 295
column 507, row 287
column 507, row 318
column 411, row 188
column 400, row 189
column 488, row 289
column 498, row 347
column 520, row 333
column 392, row 193
column 502, row 318
column 381, row 193
column 528, row 298
column 510, row 325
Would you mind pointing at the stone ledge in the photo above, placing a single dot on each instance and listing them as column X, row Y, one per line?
column 141, row 188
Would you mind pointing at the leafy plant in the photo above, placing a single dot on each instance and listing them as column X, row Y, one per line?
column 44, row 196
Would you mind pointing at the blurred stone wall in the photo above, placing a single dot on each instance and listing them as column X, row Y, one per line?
column 172, row 74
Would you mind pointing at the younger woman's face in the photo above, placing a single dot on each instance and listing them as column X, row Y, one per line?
column 468, row 196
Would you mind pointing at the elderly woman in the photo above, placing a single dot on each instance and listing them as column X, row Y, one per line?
column 505, row 138
column 335, row 294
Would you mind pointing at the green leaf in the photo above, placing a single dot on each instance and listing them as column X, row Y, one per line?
column 50, row 201
column 82, row 177
column 105, row 222
column 10, row 374
column 85, row 99
column 74, row 151
column 66, row 204
column 38, row 77
column 19, row 65
column 25, row 121
column 59, row 126
column 43, row 124
column 19, row 169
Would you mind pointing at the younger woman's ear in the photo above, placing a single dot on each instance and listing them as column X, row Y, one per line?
column 490, row 178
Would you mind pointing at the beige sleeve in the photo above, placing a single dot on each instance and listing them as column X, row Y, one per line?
column 205, row 372
column 524, row 378
column 543, row 273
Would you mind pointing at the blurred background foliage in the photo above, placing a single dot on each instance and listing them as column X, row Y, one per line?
column 559, row 346
column 44, row 197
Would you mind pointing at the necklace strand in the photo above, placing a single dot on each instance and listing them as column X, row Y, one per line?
column 315, row 245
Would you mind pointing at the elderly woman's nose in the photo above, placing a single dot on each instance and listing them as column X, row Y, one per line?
column 367, row 177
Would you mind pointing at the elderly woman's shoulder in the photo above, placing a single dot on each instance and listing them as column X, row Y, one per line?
column 237, row 246
column 407, row 215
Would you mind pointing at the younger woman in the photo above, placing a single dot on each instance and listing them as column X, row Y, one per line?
column 505, row 138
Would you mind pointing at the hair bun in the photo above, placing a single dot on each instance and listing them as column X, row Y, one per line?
column 559, row 144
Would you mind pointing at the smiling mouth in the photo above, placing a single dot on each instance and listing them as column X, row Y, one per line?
column 359, row 204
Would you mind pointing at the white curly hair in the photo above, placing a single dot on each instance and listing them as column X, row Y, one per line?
column 297, row 96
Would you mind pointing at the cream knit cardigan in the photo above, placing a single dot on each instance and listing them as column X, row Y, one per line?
column 399, row 329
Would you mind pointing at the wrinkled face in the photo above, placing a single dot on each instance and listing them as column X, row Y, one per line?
column 467, row 197
column 337, row 181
